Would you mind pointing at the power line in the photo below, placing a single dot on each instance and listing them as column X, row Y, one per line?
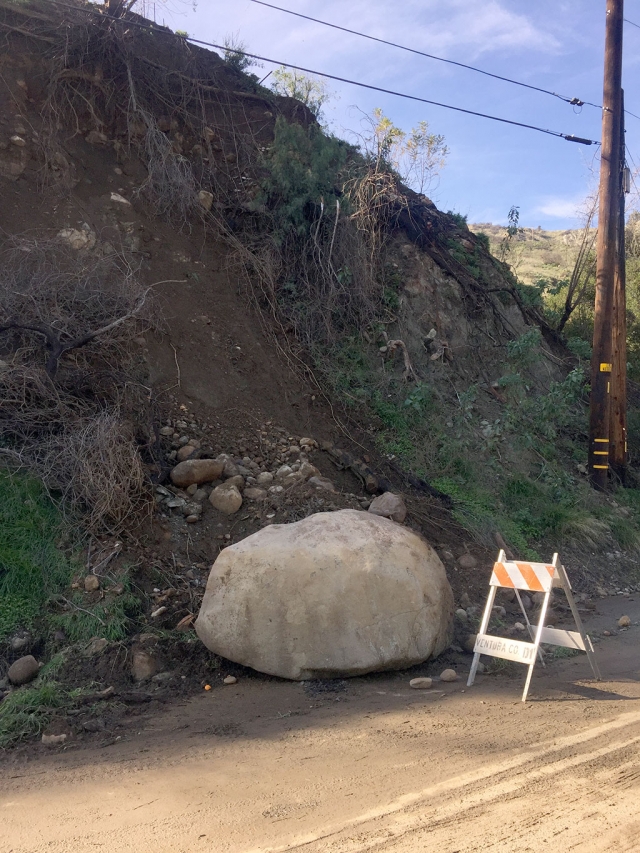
column 573, row 101
column 568, row 136
column 627, row 21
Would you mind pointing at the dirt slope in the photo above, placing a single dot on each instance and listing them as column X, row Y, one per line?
column 362, row 766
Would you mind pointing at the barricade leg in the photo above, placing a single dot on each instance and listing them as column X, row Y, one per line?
column 482, row 630
column 536, row 640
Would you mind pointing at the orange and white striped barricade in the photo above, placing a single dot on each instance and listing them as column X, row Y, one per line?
column 532, row 577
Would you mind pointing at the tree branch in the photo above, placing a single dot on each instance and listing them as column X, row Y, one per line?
column 85, row 339
column 56, row 348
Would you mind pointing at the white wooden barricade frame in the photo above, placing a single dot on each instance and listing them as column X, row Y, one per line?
column 532, row 577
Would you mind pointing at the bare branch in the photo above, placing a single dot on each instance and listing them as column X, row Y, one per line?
column 85, row 339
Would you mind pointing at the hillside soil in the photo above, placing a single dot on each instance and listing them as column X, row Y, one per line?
column 367, row 764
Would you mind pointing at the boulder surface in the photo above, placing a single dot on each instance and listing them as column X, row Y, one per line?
column 336, row 594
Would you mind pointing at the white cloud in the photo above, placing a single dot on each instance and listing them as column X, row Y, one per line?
column 560, row 208
column 483, row 27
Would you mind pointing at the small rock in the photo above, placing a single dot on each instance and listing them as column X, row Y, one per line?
column 186, row 623
column 19, row 643
column 293, row 478
column 230, row 679
column 606, row 633
column 18, row 141
column 192, row 508
column 469, row 643
column 447, row 558
column 276, row 490
column 421, row 683
column 508, row 594
column 283, row 472
column 499, row 611
column 176, row 503
column 237, row 481
column 255, row 494
column 95, row 646
column 467, row 561
column 120, row 199
column 59, row 636
column 226, row 498
column 449, row 675
column 206, row 199
column 526, row 601
column 200, row 495
column 166, row 430
column 143, row 665
column 158, row 612
column 230, row 468
column 461, row 614
column 191, row 519
column 265, row 478
column 322, row 483
column 519, row 627
column 624, row 622
column 196, row 471
column 117, row 589
column 465, row 601
column 23, row 670
column 91, row 583
column 390, row 506
column 54, row 740
column 97, row 725
column 95, row 137
column 185, row 452
column 308, row 443
column 191, row 490
column 162, row 677
column 308, row 470
column 78, row 239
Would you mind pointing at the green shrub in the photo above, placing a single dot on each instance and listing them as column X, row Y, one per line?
column 31, row 566
column 303, row 169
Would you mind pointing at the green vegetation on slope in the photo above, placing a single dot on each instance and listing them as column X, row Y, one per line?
column 522, row 473
column 31, row 565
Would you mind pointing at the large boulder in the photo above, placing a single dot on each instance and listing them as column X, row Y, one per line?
column 336, row 594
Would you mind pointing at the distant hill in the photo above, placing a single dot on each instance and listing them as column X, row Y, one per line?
column 535, row 254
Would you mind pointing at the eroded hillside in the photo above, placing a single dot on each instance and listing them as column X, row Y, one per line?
column 193, row 270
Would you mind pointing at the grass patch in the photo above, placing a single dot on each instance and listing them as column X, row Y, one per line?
column 31, row 566
column 25, row 713
column 109, row 618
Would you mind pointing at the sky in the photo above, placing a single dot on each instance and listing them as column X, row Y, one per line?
column 554, row 44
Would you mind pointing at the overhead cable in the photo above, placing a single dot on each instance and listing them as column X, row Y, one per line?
column 568, row 136
column 129, row 23
column 573, row 101
column 627, row 21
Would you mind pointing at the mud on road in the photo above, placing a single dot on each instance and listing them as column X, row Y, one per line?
column 360, row 765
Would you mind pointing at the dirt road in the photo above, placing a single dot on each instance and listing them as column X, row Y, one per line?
column 367, row 765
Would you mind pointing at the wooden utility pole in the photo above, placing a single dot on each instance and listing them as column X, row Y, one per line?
column 606, row 248
column 618, row 413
